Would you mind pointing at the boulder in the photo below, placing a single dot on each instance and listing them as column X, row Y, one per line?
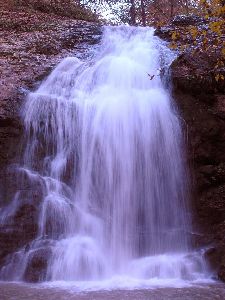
column 36, row 269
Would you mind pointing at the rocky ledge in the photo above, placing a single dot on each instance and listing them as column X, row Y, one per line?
column 201, row 101
column 32, row 43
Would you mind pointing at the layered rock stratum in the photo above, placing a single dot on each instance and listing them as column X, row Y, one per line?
column 31, row 44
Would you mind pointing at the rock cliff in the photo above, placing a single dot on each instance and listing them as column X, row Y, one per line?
column 201, row 101
column 31, row 44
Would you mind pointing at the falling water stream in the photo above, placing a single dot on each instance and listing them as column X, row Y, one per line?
column 105, row 147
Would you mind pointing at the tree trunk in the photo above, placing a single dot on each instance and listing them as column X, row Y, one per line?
column 132, row 13
column 187, row 7
column 143, row 13
column 171, row 9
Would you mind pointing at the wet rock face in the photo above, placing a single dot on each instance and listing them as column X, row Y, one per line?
column 19, row 221
column 36, row 270
column 32, row 43
column 195, row 74
column 201, row 102
column 18, row 230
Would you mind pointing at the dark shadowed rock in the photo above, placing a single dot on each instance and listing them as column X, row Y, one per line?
column 201, row 102
column 200, row 99
column 195, row 74
column 18, row 230
column 164, row 32
column 36, row 270
column 221, row 271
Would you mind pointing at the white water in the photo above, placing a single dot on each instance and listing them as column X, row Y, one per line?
column 106, row 149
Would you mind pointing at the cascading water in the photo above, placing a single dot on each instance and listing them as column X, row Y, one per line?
column 105, row 148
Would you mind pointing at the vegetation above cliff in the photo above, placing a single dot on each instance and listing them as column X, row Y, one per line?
column 206, row 34
column 200, row 37
column 66, row 8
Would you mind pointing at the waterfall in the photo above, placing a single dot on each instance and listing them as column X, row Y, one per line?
column 105, row 147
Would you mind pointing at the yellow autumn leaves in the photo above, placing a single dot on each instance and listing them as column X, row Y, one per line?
column 205, row 37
